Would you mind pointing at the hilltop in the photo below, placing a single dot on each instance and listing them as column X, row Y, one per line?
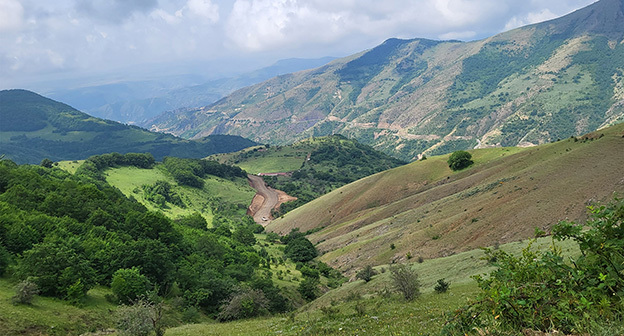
column 527, row 86
column 34, row 127
column 426, row 210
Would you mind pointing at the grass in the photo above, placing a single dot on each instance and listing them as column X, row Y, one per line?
column 427, row 210
column 49, row 316
column 131, row 179
column 256, row 160
column 70, row 166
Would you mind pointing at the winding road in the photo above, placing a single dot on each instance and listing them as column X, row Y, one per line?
column 264, row 201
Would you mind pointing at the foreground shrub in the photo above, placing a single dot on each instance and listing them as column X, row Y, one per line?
column 366, row 273
column 541, row 291
column 460, row 160
column 129, row 284
column 442, row 286
column 25, row 292
column 140, row 319
column 405, row 281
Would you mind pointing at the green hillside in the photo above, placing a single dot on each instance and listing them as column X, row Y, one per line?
column 34, row 127
column 527, row 86
column 425, row 209
column 316, row 166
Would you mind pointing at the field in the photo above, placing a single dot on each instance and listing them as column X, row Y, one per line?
column 131, row 179
column 265, row 160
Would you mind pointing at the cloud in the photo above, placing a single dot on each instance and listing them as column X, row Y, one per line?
column 11, row 15
column 114, row 11
column 530, row 18
column 205, row 9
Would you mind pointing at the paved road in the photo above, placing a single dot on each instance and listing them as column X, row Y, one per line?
column 270, row 198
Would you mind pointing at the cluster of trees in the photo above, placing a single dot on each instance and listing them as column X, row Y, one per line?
column 67, row 233
column 190, row 172
column 161, row 192
column 335, row 162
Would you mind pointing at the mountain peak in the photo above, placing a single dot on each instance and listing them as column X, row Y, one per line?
column 604, row 17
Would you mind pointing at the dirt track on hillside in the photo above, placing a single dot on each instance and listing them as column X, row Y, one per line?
column 265, row 200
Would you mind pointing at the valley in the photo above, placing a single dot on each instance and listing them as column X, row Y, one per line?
column 420, row 187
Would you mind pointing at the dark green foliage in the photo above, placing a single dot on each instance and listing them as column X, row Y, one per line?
column 309, row 289
column 300, row 250
column 405, row 281
column 460, row 160
column 161, row 192
column 543, row 292
column 190, row 172
column 129, row 285
column 25, row 292
column 442, row 286
column 46, row 163
column 57, row 269
column 194, row 220
column 366, row 273
column 334, row 162
column 5, row 259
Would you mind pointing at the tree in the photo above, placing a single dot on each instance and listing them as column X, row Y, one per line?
column 129, row 285
column 308, row 288
column 460, row 160
column 47, row 163
column 405, row 281
column 366, row 273
column 140, row 319
column 300, row 250
column 442, row 286
column 244, row 304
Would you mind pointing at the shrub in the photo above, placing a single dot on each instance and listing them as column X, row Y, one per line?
column 308, row 288
column 442, row 286
column 140, row 319
column 460, row 160
column 129, row 285
column 25, row 292
column 405, row 281
column 244, row 304
column 366, row 273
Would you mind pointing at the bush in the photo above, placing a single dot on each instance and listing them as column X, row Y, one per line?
column 129, row 285
column 247, row 303
column 460, row 160
column 541, row 291
column 308, row 288
column 300, row 250
column 442, row 286
column 366, row 273
column 405, row 281
column 5, row 258
column 25, row 292
column 140, row 319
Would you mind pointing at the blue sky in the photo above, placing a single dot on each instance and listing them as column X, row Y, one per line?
column 125, row 39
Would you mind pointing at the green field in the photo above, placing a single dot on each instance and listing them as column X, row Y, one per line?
column 266, row 160
column 215, row 191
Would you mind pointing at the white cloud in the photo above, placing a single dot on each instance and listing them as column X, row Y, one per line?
column 11, row 15
column 205, row 9
column 530, row 18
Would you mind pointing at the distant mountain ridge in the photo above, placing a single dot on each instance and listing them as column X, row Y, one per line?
column 136, row 102
column 33, row 127
column 524, row 87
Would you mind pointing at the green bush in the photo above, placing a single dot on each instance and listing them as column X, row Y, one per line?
column 442, row 286
column 366, row 273
column 542, row 291
column 25, row 292
column 247, row 303
column 460, row 160
column 129, row 285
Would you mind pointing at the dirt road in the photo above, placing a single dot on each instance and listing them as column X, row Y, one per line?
column 265, row 200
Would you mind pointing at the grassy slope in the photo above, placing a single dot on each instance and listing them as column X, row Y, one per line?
column 383, row 314
column 427, row 210
column 128, row 179
column 276, row 159
column 48, row 316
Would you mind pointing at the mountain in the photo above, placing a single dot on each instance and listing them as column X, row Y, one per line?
column 33, row 127
column 138, row 101
column 425, row 209
column 523, row 87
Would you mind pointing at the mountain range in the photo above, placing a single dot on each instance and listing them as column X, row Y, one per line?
column 409, row 98
column 135, row 102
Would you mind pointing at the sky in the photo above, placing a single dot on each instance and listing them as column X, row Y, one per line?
column 43, row 41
